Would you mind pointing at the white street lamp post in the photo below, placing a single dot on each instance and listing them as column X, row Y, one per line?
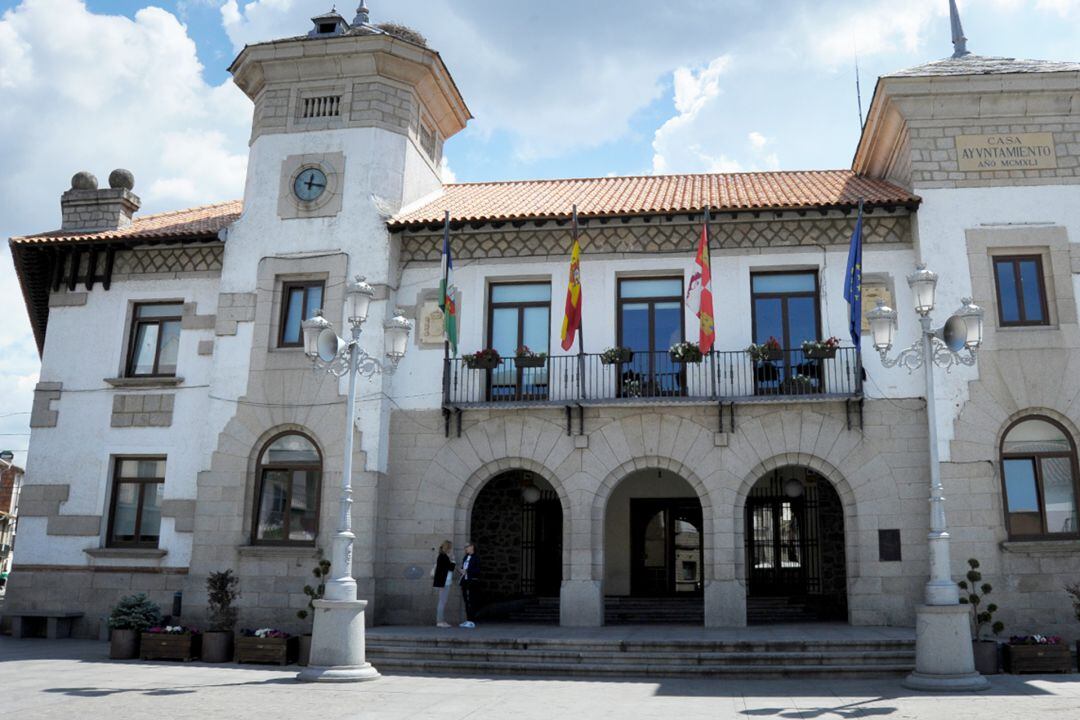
column 337, row 643
column 944, row 659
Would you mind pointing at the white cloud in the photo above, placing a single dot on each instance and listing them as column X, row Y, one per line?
column 95, row 92
column 445, row 173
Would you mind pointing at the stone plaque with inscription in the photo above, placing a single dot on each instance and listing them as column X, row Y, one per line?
column 871, row 293
column 431, row 324
column 1008, row 151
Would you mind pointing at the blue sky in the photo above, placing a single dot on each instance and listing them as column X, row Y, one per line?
column 560, row 88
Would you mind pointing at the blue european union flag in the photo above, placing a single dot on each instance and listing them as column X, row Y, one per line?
column 853, row 283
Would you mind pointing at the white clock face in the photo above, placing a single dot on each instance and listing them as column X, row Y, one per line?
column 309, row 184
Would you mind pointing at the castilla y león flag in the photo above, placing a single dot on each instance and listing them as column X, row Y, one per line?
column 699, row 294
column 572, row 319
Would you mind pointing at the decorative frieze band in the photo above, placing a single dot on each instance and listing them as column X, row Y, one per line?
column 655, row 237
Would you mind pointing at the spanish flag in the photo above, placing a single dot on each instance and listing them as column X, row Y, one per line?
column 571, row 323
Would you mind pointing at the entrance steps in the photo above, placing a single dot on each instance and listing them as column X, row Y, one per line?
column 795, row 609
column 465, row 653
column 654, row 611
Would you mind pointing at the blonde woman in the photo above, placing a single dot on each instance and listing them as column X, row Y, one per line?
column 443, row 581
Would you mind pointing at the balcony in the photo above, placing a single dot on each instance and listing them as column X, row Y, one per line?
column 653, row 377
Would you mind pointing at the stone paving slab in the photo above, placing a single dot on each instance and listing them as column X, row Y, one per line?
column 74, row 679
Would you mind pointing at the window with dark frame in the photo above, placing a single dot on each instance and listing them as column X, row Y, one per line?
column 650, row 320
column 519, row 314
column 786, row 305
column 155, row 339
column 289, row 479
column 1039, row 480
column 299, row 301
column 135, row 509
column 1021, row 290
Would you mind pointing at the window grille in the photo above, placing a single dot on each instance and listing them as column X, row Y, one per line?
column 321, row 106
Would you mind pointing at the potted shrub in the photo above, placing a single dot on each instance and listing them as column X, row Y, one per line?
column 321, row 572
column 982, row 619
column 221, row 593
column 170, row 642
column 685, row 352
column 1037, row 654
column 768, row 350
column 1074, row 595
column 821, row 349
column 266, row 645
column 486, row 359
column 128, row 619
column 617, row 355
column 526, row 358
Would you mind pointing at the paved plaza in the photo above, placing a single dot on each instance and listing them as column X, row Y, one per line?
column 74, row 679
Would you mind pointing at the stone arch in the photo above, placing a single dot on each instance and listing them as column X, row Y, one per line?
column 823, row 468
column 1064, row 421
column 466, row 498
column 327, row 500
column 615, row 476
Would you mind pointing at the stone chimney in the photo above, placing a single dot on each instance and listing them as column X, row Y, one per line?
column 85, row 208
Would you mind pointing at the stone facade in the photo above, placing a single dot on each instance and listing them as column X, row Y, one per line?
column 143, row 410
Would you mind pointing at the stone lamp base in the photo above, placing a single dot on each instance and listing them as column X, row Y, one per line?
column 944, row 661
column 337, row 644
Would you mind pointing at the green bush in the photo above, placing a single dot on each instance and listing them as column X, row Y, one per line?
column 321, row 572
column 134, row 612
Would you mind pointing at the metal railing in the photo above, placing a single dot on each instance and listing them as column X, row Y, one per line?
column 653, row 376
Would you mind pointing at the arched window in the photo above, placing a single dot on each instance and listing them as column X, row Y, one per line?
column 287, row 497
column 1038, row 471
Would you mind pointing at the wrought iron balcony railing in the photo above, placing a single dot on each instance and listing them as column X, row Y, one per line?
column 653, row 377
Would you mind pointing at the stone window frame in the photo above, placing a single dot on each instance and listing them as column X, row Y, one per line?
column 997, row 259
column 1072, row 455
column 136, row 322
column 287, row 286
column 1051, row 242
column 253, row 537
column 283, row 281
column 298, row 123
column 114, row 482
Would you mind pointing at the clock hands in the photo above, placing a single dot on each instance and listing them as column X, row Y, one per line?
column 312, row 184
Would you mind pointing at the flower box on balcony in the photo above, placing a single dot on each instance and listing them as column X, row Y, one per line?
column 617, row 356
column 766, row 351
column 1037, row 657
column 268, row 649
column 482, row 360
column 821, row 349
column 166, row 644
column 685, row 352
column 530, row 361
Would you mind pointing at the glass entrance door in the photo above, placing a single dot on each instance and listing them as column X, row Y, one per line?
column 666, row 542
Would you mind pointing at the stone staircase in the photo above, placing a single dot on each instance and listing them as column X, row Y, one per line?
column 473, row 654
column 654, row 611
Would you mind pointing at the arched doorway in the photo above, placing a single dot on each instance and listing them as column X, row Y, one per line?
column 795, row 558
column 517, row 527
column 654, row 564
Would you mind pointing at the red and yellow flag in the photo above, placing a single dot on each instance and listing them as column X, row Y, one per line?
column 703, row 291
column 571, row 323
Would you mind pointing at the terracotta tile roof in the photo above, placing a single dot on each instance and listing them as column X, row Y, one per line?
column 653, row 194
column 203, row 221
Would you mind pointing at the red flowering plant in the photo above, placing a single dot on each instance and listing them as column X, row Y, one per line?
column 821, row 345
column 485, row 359
column 524, row 351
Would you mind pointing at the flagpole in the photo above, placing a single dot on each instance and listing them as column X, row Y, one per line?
column 445, row 309
column 712, row 350
column 581, row 319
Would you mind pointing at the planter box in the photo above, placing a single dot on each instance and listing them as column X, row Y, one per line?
column 217, row 647
column 986, row 656
column 693, row 360
column 1038, row 658
column 166, row 646
column 487, row 363
column 530, row 362
column 821, row 354
column 623, row 358
column 124, row 644
column 266, row 650
column 767, row 356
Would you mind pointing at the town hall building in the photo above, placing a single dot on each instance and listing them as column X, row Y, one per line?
column 192, row 435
